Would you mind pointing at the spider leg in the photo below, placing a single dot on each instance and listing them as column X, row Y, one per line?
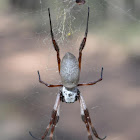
column 56, row 47
column 84, row 119
column 54, row 118
column 48, row 85
column 33, row 136
column 55, row 121
column 87, row 117
column 47, row 129
column 92, row 83
column 83, row 42
column 92, row 127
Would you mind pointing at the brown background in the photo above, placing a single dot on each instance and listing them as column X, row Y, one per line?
column 114, row 103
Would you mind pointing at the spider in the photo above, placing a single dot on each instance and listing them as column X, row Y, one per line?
column 69, row 70
column 80, row 2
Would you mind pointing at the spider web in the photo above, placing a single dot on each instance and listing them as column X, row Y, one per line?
column 69, row 20
column 69, row 23
column 64, row 15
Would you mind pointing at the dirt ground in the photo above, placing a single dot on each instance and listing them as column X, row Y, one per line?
column 26, row 105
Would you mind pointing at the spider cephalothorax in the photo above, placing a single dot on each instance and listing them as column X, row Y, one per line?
column 70, row 95
column 69, row 70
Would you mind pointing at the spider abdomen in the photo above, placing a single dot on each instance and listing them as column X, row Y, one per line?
column 69, row 71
